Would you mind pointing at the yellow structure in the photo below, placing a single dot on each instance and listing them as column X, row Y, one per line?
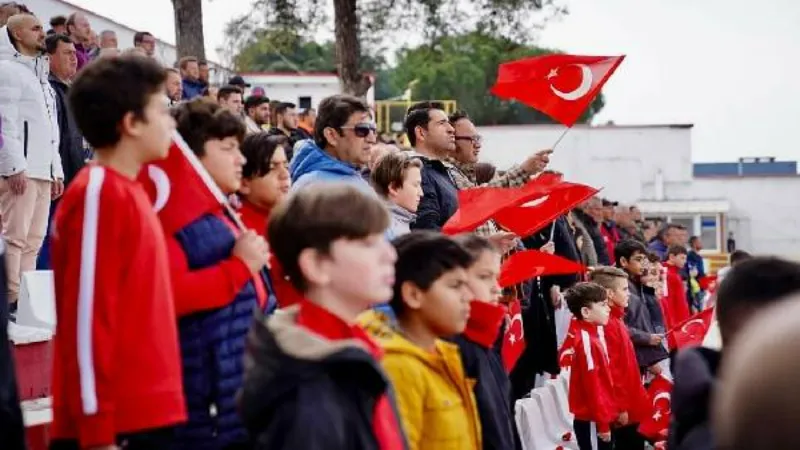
column 388, row 112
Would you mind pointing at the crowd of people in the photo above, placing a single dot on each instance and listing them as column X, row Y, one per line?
column 320, row 306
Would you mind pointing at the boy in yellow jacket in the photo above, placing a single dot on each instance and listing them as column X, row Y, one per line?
column 431, row 301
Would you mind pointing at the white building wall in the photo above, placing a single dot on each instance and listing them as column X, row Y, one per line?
column 765, row 211
column 290, row 87
column 623, row 160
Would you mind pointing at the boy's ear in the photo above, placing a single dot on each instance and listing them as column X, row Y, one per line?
column 585, row 313
column 313, row 267
column 393, row 188
column 412, row 295
column 623, row 261
column 609, row 294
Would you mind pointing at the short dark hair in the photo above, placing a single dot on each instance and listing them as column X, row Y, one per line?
column 753, row 285
column 254, row 101
column 98, row 103
column 693, row 239
column 57, row 21
column 739, row 256
column 183, row 62
column 583, row 295
column 334, row 112
column 202, row 62
column 258, row 149
column 606, row 275
column 390, row 171
column 653, row 257
column 140, row 35
column 51, row 42
column 228, row 90
column 419, row 115
column 71, row 20
column 422, row 258
column 458, row 115
column 283, row 106
column 476, row 245
column 318, row 215
column 626, row 248
column 199, row 121
column 676, row 250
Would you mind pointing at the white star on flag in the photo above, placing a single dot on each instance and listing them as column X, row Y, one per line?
column 553, row 73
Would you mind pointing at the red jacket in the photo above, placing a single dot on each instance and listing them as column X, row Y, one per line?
column 591, row 392
column 628, row 388
column 257, row 219
column 116, row 364
column 611, row 238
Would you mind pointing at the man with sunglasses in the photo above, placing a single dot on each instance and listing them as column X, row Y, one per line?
column 344, row 134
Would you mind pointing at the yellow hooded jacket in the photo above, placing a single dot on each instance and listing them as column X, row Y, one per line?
column 435, row 398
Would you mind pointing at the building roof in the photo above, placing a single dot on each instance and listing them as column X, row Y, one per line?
column 694, row 206
column 746, row 168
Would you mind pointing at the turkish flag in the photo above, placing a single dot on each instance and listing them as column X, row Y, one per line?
column 561, row 86
column 522, row 266
column 180, row 194
column 656, row 425
column 566, row 354
column 528, row 218
column 514, row 337
column 692, row 331
column 477, row 205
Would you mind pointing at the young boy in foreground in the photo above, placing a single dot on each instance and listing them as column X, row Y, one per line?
column 116, row 367
column 479, row 345
column 431, row 302
column 313, row 379
column 628, row 388
column 591, row 391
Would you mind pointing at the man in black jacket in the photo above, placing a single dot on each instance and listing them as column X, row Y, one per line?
column 12, row 431
column 588, row 215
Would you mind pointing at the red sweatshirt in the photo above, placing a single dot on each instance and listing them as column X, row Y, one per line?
column 674, row 303
column 591, row 392
column 256, row 219
column 628, row 388
column 116, row 367
column 318, row 320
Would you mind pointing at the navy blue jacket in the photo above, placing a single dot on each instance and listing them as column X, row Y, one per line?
column 440, row 199
column 492, row 393
column 212, row 346
column 192, row 89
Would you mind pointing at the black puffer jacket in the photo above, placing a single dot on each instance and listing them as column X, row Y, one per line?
column 440, row 196
column 695, row 374
column 643, row 318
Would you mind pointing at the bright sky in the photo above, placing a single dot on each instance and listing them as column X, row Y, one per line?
column 727, row 66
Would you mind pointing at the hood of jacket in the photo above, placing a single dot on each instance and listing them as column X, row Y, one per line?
column 283, row 356
column 40, row 64
column 400, row 214
column 310, row 158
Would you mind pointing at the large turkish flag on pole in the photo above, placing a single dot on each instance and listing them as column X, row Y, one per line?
column 561, row 86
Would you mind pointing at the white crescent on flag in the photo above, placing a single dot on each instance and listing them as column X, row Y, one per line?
column 685, row 327
column 517, row 317
column 536, row 202
column 581, row 90
column 163, row 188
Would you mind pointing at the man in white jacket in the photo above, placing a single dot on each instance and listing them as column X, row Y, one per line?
column 30, row 165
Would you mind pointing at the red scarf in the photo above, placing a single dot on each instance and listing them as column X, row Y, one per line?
column 484, row 322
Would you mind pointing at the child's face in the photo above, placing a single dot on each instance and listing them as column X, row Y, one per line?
column 634, row 265
column 445, row 306
column 268, row 190
column 154, row 132
column 359, row 270
column 408, row 195
column 619, row 295
column 224, row 161
column 597, row 313
column 678, row 261
column 483, row 276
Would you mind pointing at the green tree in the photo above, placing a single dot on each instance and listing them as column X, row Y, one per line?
column 463, row 68
column 362, row 25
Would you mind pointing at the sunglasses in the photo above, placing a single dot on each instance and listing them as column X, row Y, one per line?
column 477, row 139
column 362, row 129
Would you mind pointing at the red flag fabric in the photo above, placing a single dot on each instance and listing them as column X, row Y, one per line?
column 178, row 192
column 656, row 426
column 693, row 330
column 529, row 264
column 526, row 219
column 566, row 354
column 561, row 86
column 477, row 205
column 514, row 337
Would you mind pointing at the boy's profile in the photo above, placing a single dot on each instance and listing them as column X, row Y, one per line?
column 313, row 378
column 591, row 390
column 397, row 177
column 116, row 364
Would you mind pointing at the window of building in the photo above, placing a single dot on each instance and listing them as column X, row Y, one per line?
column 304, row 102
column 709, row 231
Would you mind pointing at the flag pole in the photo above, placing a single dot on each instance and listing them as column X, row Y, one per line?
column 553, row 225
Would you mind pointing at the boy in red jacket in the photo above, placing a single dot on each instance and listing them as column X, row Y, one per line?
column 591, row 391
column 675, row 301
column 628, row 388
column 116, row 367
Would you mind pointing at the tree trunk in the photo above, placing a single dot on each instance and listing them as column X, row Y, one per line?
column 189, row 28
column 348, row 49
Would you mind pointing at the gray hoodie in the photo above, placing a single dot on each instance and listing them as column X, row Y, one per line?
column 401, row 219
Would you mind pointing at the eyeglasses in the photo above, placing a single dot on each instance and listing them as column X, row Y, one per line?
column 362, row 129
column 477, row 139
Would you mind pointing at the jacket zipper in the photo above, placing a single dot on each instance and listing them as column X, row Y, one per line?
column 25, row 138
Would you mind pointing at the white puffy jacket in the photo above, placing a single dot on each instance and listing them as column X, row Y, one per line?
column 29, row 118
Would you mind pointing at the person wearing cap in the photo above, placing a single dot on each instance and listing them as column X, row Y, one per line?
column 256, row 108
column 239, row 82
column 608, row 227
